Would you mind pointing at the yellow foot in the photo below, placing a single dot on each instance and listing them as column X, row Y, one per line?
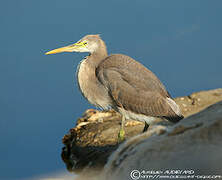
column 121, row 136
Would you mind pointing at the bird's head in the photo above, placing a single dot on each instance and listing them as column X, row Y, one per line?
column 89, row 43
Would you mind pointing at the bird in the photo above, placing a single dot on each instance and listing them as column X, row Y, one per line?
column 121, row 83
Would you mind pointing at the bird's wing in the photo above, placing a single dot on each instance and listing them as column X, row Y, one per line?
column 127, row 85
column 138, row 76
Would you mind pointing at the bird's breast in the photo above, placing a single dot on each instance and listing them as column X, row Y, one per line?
column 90, row 86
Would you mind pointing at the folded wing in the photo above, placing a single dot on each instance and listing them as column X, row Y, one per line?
column 135, row 88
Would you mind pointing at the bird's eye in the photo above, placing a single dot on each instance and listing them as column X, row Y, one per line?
column 85, row 43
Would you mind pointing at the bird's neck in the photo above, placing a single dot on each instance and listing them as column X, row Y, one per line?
column 89, row 85
column 99, row 54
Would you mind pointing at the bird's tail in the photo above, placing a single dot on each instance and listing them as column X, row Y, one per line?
column 176, row 113
column 174, row 119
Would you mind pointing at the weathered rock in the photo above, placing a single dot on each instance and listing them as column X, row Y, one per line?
column 198, row 101
column 90, row 143
column 194, row 144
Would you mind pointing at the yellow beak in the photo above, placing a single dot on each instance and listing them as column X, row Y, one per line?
column 59, row 50
column 70, row 48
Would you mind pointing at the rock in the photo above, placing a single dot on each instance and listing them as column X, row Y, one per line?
column 198, row 101
column 88, row 146
column 194, row 144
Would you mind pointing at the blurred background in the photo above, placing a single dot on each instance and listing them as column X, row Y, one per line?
column 180, row 41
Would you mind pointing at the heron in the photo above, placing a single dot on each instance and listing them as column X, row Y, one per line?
column 121, row 83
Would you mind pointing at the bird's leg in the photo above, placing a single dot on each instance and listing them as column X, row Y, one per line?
column 121, row 135
column 145, row 127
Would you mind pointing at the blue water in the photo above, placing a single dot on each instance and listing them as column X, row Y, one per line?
column 180, row 41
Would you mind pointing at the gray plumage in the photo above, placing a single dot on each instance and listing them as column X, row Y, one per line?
column 134, row 87
column 119, row 82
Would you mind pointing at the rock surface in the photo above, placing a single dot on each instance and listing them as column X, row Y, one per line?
column 194, row 144
column 187, row 144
